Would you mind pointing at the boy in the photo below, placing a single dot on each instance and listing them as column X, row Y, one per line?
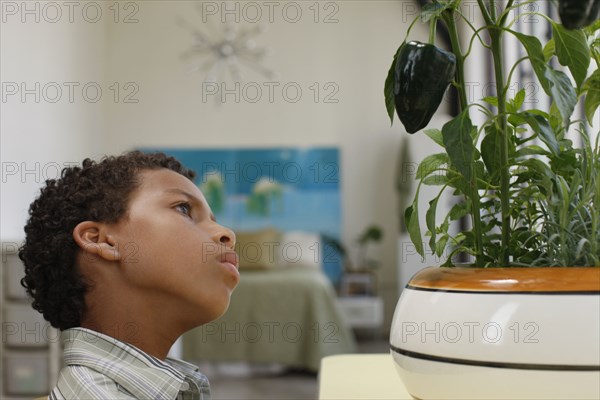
column 124, row 256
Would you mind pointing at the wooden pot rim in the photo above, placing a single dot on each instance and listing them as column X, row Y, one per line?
column 551, row 280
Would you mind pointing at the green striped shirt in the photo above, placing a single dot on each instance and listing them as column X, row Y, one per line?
column 101, row 367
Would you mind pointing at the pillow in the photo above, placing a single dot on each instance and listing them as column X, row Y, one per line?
column 301, row 249
column 258, row 249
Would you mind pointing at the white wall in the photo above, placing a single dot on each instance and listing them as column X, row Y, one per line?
column 43, row 125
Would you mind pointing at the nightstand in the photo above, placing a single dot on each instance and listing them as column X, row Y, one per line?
column 31, row 357
column 362, row 311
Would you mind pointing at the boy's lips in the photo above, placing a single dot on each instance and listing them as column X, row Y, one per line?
column 231, row 257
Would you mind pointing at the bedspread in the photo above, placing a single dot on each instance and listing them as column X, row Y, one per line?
column 286, row 316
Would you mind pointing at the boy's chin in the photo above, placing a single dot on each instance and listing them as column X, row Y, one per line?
column 206, row 316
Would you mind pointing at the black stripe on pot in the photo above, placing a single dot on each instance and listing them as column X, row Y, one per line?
column 495, row 364
column 581, row 292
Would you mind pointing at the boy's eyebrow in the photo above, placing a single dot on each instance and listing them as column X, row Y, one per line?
column 191, row 197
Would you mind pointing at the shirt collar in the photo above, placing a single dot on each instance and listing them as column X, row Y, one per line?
column 143, row 375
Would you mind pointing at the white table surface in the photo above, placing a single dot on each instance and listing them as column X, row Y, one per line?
column 360, row 377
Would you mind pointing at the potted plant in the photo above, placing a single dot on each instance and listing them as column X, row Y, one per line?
column 503, row 326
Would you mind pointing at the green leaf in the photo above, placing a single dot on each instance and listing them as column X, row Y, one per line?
column 538, row 166
column 541, row 126
column 388, row 89
column 459, row 144
column 519, row 100
column 515, row 120
column 479, row 169
column 563, row 190
column 491, row 100
column 591, row 29
column 555, row 83
column 532, row 150
column 539, row 112
column 554, row 116
column 430, row 221
column 533, row 47
column 435, row 180
column 457, row 181
column 564, row 163
column 572, row 51
column 490, row 153
column 440, row 246
column 435, row 135
column 433, row 10
column 430, row 164
column 411, row 216
column 562, row 92
column 592, row 97
column 549, row 50
column 458, row 211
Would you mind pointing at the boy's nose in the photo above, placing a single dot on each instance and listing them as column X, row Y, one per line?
column 225, row 236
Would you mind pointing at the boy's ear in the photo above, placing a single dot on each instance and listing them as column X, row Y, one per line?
column 92, row 238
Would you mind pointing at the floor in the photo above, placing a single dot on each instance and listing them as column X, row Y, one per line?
column 238, row 381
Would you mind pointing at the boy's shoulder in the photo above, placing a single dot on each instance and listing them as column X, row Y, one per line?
column 101, row 367
column 80, row 382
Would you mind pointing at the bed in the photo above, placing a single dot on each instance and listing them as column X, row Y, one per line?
column 285, row 315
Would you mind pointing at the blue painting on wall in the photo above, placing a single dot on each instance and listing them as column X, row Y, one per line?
column 285, row 188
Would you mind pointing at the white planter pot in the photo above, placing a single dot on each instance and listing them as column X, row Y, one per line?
column 499, row 333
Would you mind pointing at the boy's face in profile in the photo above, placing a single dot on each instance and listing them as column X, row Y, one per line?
column 172, row 253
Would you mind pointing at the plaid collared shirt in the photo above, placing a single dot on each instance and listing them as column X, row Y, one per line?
column 101, row 367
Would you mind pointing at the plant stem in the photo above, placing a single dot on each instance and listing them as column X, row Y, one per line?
column 508, row 6
column 448, row 17
column 492, row 10
column 496, row 38
column 484, row 12
column 432, row 26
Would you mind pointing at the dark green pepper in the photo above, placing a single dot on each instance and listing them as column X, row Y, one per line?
column 594, row 14
column 422, row 74
column 576, row 14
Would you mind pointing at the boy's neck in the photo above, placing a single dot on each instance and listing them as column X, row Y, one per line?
column 128, row 332
column 132, row 320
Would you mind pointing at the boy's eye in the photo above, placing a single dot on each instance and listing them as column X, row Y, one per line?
column 185, row 208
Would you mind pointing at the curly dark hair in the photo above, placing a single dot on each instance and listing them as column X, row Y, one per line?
column 96, row 191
